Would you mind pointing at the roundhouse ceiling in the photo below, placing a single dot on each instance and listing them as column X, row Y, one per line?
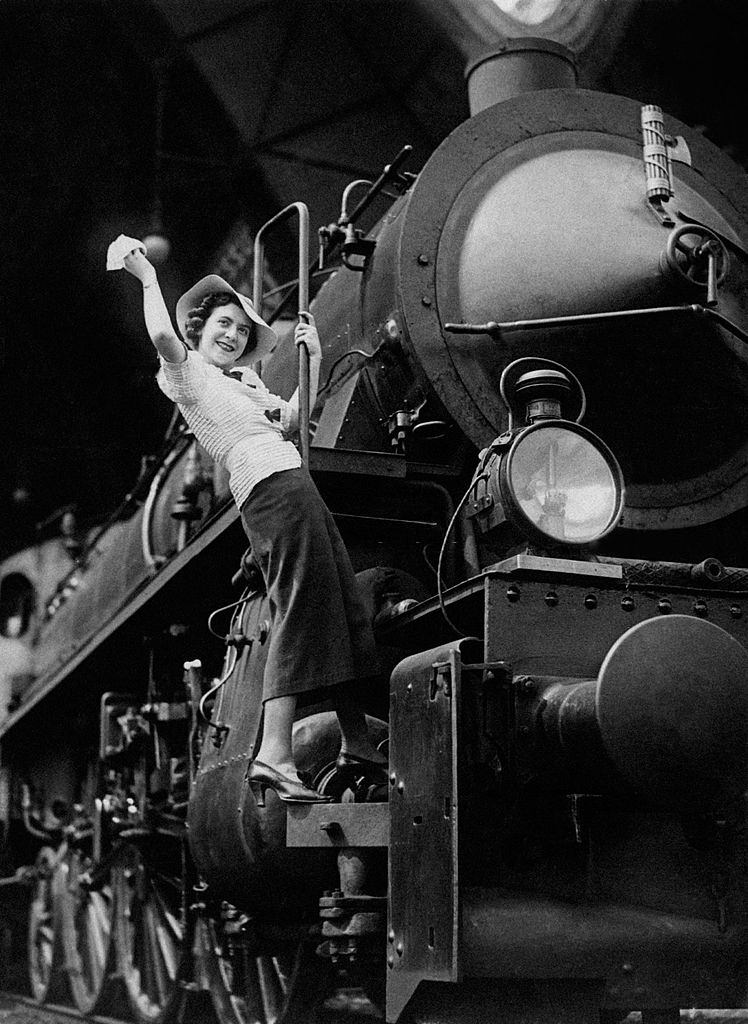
column 266, row 101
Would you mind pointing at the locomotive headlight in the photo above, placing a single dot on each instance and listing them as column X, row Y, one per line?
column 560, row 483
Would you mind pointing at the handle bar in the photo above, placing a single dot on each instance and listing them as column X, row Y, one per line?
column 259, row 258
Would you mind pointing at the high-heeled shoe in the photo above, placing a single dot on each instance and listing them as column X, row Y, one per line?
column 262, row 777
column 346, row 761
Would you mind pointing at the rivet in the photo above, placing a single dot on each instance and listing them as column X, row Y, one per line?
column 627, row 603
column 423, row 259
column 393, row 778
column 390, row 961
column 590, row 601
column 529, row 685
column 700, row 608
column 409, row 688
column 627, row 968
column 399, row 949
column 401, row 786
column 425, row 301
column 736, row 611
column 393, row 331
column 391, row 936
column 551, row 598
column 664, row 607
column 512, row 594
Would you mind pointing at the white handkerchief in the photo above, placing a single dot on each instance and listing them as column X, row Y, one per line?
column 119, row 248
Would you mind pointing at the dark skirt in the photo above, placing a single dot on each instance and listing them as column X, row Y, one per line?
column 321, row 634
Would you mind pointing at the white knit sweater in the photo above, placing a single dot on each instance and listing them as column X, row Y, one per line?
column 228, row 418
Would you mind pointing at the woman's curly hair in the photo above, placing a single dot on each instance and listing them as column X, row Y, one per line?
column 196, row 318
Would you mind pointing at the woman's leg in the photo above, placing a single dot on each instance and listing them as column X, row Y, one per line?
column 273, row 766
column 276, row 748
column 355, row 737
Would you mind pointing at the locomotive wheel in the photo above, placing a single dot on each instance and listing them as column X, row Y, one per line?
column 247, row 988
column 150, row 932
column 44, row 947
column 87, row 921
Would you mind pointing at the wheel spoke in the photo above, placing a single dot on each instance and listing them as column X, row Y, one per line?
column 248, row 987
column 43, row 923
column 150, row 937
column 160, row 957
column 253, row 994
column 271, row 993
column 168, row 918
column 86, row 935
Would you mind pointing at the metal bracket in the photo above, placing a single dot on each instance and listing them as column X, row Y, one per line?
column 441, row 680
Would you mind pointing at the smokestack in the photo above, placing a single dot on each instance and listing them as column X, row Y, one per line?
column 519, row 65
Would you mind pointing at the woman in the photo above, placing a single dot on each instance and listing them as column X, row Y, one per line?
column 320, row 636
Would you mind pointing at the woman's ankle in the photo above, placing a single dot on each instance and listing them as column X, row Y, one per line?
column 277, row 760
column 363, row 749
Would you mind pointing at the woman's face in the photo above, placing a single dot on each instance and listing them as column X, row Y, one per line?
column 225, row 335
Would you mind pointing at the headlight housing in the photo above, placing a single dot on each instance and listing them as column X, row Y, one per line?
column 560, row 484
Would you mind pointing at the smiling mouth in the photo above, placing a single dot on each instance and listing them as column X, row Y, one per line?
column 226, row 348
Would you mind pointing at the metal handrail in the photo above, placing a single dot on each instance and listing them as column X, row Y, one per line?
column 259, row 258
column 495, row 329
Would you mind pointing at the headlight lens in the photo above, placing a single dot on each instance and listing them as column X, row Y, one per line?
column 562, row 482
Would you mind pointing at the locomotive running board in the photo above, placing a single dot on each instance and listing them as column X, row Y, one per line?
column 342, row 825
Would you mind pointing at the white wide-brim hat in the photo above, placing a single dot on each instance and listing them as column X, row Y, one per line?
column 265, row 335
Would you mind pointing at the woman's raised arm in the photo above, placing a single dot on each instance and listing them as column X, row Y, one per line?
column 157, row 320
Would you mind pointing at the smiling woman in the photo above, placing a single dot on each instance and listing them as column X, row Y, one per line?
column 225, row 332
column 320, row 633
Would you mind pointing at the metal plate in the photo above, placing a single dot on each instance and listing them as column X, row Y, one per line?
column 423, row 907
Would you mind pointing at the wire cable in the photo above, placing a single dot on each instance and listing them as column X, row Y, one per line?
column 224, row 608
column 482, row 475
column 217, row 686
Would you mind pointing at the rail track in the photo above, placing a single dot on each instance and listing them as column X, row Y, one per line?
column 19, row 1009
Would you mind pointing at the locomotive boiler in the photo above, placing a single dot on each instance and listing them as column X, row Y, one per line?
column 531, row 429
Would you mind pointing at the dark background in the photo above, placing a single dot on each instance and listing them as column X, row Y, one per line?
column 265, row 103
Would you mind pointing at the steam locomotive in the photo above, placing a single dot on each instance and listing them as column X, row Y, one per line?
column 561, row 636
